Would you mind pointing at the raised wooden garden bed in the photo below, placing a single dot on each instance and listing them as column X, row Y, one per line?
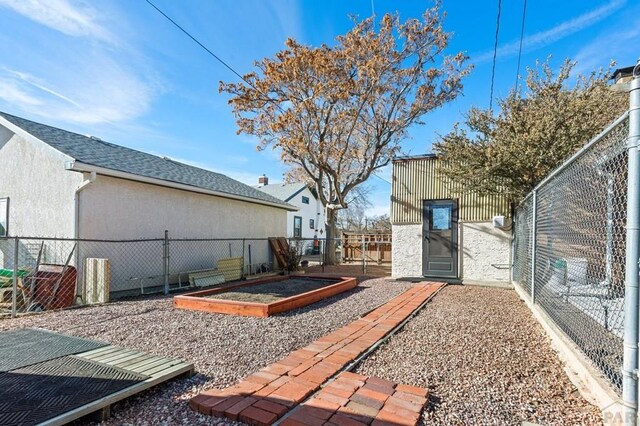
column 266, row 296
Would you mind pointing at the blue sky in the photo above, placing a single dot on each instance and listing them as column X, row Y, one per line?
column 118, row 70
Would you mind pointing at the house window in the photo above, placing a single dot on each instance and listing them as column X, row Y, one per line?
column 305, row 200
column 297, row 226
column 312, row 224
column 4, row 217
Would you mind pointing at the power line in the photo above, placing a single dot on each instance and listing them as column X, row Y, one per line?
column 524, row 14
column 495, row 53
column 198, row 42
column 381, row 178
column 229, row 67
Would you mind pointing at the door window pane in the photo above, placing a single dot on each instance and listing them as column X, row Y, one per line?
column 440, row 218
column 297, row 226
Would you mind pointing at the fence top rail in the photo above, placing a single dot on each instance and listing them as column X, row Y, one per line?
column 80, row 240
column 141, row 240
column 577, row 155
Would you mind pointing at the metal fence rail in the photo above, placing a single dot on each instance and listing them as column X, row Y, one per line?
column 572, row 227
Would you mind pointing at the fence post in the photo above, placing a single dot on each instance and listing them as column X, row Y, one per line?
column 364, row 258
column 166, row 262
column 534, row 220
column 14, row 292
column 243, row 266
column 630, row 356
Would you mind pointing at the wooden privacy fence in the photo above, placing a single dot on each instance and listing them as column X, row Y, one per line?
column 375, row 247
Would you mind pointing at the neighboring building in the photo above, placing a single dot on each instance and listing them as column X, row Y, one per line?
column 442, row 233
column 55, row 183
column 308, row 222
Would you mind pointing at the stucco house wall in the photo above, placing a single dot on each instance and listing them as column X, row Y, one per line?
column 145, row 211
column 41, row 192
column 42, row 184
column 114, row 208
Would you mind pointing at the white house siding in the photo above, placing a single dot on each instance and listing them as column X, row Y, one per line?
column 313, row 210
column 406, row 251
column 112, row 208
column 485, row 253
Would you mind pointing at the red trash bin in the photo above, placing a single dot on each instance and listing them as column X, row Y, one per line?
column 51, row 287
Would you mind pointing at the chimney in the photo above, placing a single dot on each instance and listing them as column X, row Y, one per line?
column 263, row 180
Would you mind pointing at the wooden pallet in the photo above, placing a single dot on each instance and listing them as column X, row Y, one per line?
column 159, row 369
column 280, row 247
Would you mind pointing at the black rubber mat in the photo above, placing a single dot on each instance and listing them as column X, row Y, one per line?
column 39, row 392
column 19, row 348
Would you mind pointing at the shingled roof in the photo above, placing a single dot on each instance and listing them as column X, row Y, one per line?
column 96, row 152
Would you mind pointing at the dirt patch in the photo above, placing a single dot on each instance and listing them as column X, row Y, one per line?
column 272, row 292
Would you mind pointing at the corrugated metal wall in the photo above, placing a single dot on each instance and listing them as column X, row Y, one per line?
column 416, row 179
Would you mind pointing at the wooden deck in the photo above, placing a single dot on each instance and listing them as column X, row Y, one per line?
column 159, row 369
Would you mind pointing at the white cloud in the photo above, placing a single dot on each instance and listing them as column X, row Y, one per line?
column 98, row 90
column 248, row 178
column 77, row 20
column 10, row 92
column 620, row 46
column 547, row 37
column 88, row 79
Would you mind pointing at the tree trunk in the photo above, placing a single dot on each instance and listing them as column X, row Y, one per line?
column 330, row 257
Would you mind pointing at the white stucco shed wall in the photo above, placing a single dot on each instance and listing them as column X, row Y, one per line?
column 486, row 253
column 41, row 191
column 406, row 251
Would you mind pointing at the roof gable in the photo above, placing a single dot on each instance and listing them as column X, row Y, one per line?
column 96, row 152
column 286, row 191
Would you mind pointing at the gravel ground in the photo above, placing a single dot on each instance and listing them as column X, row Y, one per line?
column 223, row 348
column 485, row 360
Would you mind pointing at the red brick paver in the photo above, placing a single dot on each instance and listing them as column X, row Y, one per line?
column 394, row 406
column 351, row 399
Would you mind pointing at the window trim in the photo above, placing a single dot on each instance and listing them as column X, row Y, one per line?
column 6, row 217
column 299, row 229
column 312, row 224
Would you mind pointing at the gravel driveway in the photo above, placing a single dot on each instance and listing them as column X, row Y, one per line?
column 485, row 360
column 223, row 348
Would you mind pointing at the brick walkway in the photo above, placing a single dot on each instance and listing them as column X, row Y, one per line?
column 355, row 400
column 269, row 394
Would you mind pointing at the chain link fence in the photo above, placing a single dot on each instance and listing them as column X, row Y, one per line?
column 40, row 274
column 573, row 228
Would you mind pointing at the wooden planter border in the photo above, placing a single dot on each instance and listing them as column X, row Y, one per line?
column 197, row 301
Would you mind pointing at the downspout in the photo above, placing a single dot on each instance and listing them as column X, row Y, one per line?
column 630, row 355
column 76, row 233
column 82, row 187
